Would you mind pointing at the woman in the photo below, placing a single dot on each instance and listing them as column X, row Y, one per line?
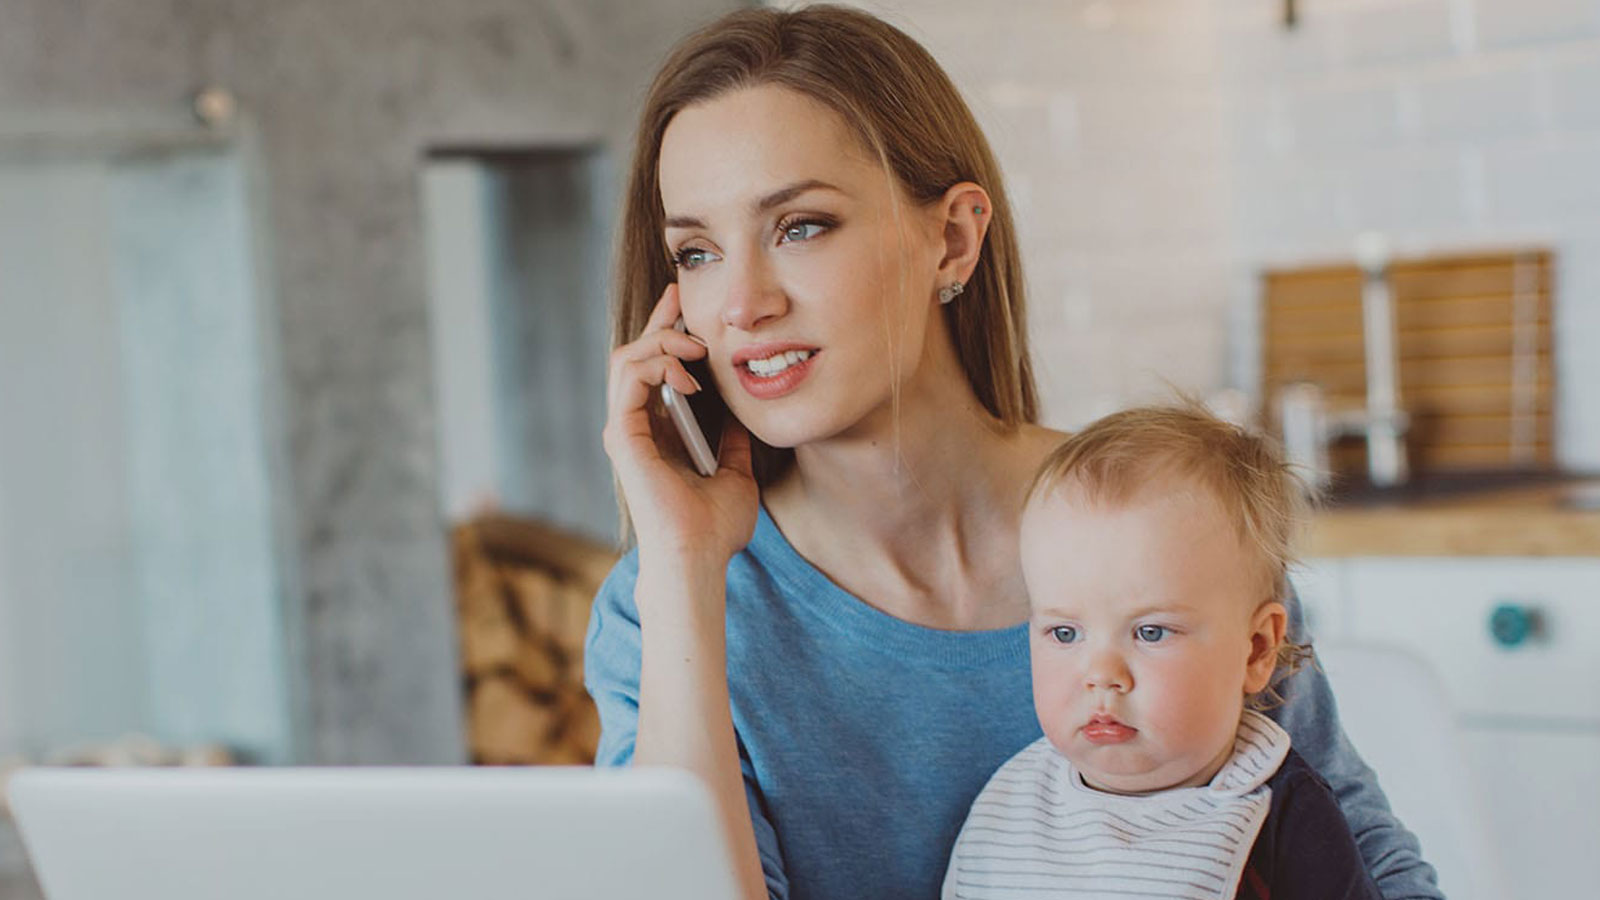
column 831, row 631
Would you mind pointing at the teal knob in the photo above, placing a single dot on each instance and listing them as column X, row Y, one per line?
column 1511, row 625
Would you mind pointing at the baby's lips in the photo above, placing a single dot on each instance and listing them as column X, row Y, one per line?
column 1103, row 729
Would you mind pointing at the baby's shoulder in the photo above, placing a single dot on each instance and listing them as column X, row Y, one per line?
column 1296, row 773
column 1298, row 791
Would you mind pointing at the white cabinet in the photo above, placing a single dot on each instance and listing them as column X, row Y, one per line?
column 1540, row 790
column 1442, row 610
column 1516, row 643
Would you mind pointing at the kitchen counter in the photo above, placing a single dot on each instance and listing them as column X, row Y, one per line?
column 1543, row 517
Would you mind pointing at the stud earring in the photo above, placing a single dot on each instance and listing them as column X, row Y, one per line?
column 950, row 291
column 978, row 210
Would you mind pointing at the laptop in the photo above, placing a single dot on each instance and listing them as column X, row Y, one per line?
column 379, row 833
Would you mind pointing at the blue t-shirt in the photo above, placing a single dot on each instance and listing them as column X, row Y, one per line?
column 864, row 738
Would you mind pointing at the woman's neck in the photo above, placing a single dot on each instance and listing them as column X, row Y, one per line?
column 915, row 510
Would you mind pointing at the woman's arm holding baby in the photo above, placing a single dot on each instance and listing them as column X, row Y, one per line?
column 1310, row 715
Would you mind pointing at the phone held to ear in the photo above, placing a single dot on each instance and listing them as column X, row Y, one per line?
column 683, row 418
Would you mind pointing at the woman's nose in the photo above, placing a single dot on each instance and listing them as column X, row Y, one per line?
column 754, row 296
column 1108, row 671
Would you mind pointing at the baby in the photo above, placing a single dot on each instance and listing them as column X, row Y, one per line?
column 1154, row 546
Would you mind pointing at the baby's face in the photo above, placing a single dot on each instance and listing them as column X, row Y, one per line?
column 1148, row 630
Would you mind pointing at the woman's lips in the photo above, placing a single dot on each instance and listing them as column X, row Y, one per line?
column 1107, row 730
column 769, row 387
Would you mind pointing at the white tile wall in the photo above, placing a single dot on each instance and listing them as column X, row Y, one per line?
column 1399, row 32
column 1408, row 190
column 1551, row 182
column 1484, row 104
column 1574, row 98
column 1108, row 119
column 1496, row 142
column 1506, row 23
column 1335, row 117
column 1161, row 152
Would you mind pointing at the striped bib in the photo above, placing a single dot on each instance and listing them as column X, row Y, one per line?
column 1037, row 831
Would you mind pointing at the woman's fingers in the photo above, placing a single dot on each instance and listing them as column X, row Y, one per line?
column 667, row 310
column 655, row 357
column 640, row 367
column 658, row 343
column 635, row 379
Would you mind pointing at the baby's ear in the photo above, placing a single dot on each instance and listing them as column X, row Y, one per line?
column 1267, row 629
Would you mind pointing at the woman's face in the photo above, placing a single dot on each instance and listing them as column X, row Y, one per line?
column 814, row 295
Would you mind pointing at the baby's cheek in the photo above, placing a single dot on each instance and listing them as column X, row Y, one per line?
column 1055, row 697
column 1192, row 705
column 1053, row 688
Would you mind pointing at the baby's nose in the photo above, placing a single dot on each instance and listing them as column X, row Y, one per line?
column 1108, row 672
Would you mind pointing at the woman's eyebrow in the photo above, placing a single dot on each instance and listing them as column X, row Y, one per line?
column 784, row 195
column 776, row 198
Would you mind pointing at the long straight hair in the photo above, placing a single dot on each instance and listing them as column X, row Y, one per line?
column 904, row 109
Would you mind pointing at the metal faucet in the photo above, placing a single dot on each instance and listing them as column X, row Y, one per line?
column 1309, row 428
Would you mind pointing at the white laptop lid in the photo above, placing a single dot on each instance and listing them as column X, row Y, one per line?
column 380, row 833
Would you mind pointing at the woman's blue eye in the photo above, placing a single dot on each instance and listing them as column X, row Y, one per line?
column 691, row 257
column 1064, row 634
column 1150, row 633
column 802, row 231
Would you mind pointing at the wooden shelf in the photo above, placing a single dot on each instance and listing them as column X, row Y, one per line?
column 1542, row 520
column 1459, row 324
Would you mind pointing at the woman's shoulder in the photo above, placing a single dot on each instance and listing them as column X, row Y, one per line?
column 613, row 618
column 619, row 582
column 1037, row 441
column 1043, row 435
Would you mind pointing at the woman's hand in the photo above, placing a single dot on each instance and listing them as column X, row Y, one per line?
column 678, row 514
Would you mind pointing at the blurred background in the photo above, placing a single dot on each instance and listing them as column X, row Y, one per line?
column 303, row 331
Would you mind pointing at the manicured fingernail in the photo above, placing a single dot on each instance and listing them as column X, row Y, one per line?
column 699, row 341
column 696, row 382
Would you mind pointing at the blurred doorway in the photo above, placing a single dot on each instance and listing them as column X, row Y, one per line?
column 139, row 588
column 517, row 245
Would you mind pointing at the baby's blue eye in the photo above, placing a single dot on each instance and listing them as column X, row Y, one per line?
column 1150, row 633
column 1064, row 634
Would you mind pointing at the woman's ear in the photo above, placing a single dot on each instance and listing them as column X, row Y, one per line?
column 1267, row 629
column 966, row 213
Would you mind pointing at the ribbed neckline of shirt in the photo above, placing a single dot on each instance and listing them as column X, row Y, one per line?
column 862, row 622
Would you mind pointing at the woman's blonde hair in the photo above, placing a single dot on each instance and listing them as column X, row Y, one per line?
column 1118, row 457
column 904, row 109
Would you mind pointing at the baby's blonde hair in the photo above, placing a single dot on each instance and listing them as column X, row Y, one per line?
column 1121, row 455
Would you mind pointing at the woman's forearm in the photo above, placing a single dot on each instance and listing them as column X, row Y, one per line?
column 684, row 715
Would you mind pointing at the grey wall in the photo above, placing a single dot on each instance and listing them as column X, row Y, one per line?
column 343, row 98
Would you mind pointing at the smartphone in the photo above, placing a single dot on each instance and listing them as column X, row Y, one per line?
column 688, row 425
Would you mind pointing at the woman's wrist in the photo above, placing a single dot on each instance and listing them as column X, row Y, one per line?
column 688, row 587
column 683, row 563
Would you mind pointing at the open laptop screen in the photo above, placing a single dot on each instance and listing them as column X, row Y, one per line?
column 382, row 833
